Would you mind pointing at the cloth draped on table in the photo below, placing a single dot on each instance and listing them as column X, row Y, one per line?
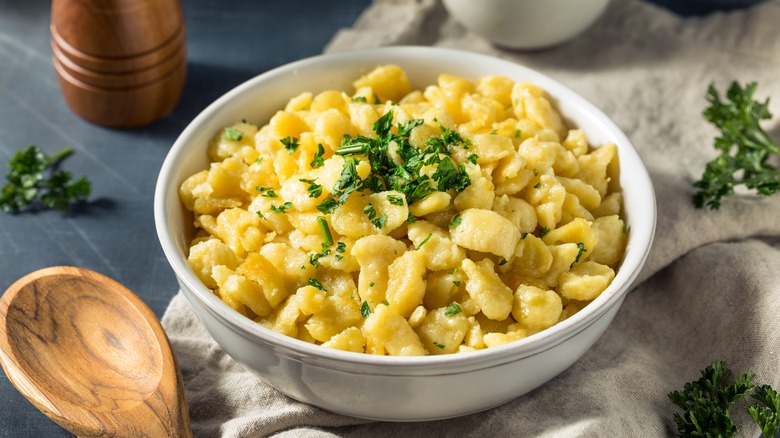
column 711, row 286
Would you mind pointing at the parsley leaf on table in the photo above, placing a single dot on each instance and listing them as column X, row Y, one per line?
column 707, row 402
column 745, row 148
column 29, row 186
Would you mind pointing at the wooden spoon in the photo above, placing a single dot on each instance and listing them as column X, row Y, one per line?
column 91, row 355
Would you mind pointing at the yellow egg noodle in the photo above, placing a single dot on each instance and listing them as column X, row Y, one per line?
column 408, row 222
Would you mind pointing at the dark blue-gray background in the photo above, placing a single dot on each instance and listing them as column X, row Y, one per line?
column 228, row 42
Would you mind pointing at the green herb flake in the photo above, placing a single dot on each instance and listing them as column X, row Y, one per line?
column 314, row 189
column 291, row 144
column 318, row 160
column 270, row 193
column 424, row 241
column 410, row 218
column 385, row 303
column 518, row 133
column 365, row 310
column 523, row 234
column 327, row 206
column 538, row 185
column 260, row 214
column 316, row 283
column 371, row 284
column 369, row 211
column 581, row 247
column 233, row 134
column 472, row 158
column 361, row 99
column 439, row 345
column 456, row 220
column 502, row 262
column 314, row 258
column 395, row 199
column 456, row 283
column 327, row 238
column 544, row 231
column 380, row 221
column 281, row 208
column 453, row 309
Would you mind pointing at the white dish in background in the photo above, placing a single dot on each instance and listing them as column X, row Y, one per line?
column 382, row 387
column 526, row 24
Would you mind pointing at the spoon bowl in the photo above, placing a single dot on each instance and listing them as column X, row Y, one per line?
column 91, row 355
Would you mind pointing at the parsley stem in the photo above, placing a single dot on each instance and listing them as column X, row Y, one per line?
column 57, row 157
column 325, row 229
column 349, row 149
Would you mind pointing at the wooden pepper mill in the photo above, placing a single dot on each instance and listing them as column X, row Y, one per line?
column 120, row 63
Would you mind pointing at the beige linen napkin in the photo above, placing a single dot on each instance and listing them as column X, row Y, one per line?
column 711, row 286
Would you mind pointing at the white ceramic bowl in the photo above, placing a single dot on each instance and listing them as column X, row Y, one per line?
column 526, row 24
column 382, row 387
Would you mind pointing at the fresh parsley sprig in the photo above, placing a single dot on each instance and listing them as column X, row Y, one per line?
column 34, row 181
column 707, row 402
column 745, row 148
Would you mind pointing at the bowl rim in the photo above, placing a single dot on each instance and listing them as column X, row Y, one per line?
column 639, row 240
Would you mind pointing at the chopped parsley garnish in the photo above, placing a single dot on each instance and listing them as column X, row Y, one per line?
column 314, row 258
column 318, row 160
column 260, row 214
column 327, row 238
column 290, row 143
column 233, row 134
column 424, row 241
column 448, row 177
column 456, row 220
column 361, row 99
column 405, row 177
column 453, row 310
column 315, row 190
column 524, row 234
column 518, row 133
column 316, row 283
column 378, row 222
column 385, row 303
column 371, row 284
column 395, row 199
column 341, row 247
column 365, row 310
column 456, row 283
column 581, row 247
column 281, row 208
column 27, row 187
column 537, row 185
column 270, row 193
column 327, row 206
column 410, row 218
column 544, row 231
column 502, row 262
column 473, row 158
column 439, row 345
